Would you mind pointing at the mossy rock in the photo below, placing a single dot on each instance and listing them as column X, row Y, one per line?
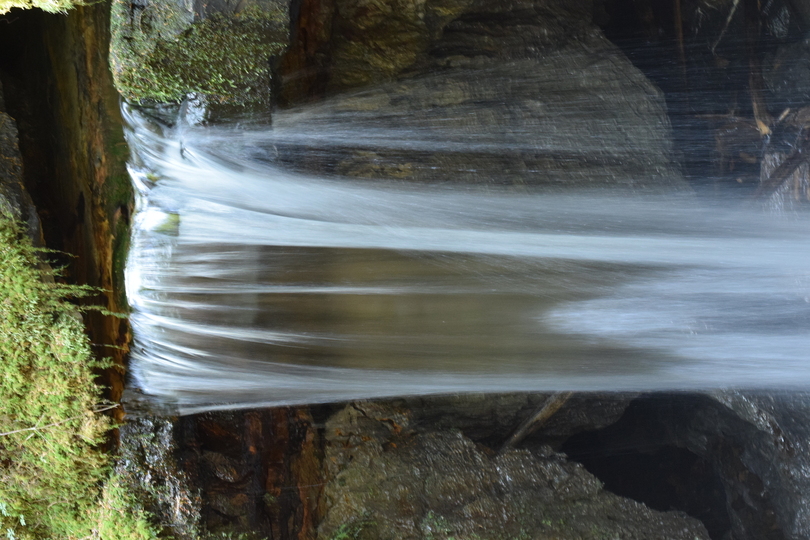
column 386, row 479
column 163, row 51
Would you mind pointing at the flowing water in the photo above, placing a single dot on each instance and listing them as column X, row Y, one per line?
column 254, row 282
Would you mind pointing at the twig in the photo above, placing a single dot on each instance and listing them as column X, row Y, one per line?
column 756, row 83
column 780, row 175
column 681, row 50
column 37, row 428
column 546, row 411
column 41, row 416
column 725, row 26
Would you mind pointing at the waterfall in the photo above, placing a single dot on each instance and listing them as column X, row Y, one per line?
column 256, row 281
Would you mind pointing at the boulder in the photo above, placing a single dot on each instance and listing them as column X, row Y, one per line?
column 149, row 468
column 511, row 93
column 386, row 480
column 492, row 418
column 759, row 443
column 164, row 51
column 736, row 459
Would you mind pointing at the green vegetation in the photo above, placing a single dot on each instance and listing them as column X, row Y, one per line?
column 157, row 53
column 51, row 6
column 350, row 531
column 56, row 480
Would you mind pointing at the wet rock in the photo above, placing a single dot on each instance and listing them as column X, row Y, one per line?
column 246, row 474
column 149, row 466
column 10, row 168
column 374, row 40
column 223, row 467
column 387, row 481
column 163, row 51
column 494, row 417
column 377, row 40
column 783, row 192
column 15, row 202
column 803, row 9
column 523, row 93
column 234, row 507
column 738, row 460
column 759, row 443
column 787, row 76
column 784, row 176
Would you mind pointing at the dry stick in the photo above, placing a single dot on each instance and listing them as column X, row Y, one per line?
column 780, row 175
column 36, row 428
column 546, row 411
column 725, row 26
column 755, row 81
column 41, row 416
column 681, row 50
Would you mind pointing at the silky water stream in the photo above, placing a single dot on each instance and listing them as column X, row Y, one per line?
column 253, row 283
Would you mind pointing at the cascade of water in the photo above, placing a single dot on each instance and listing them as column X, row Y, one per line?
column 253, row 284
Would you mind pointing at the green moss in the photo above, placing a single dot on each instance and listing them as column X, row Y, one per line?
column 435, row 526
column 117, row 196
column 351, row 531
column 159, row 54
column 170, row 226
column 51, row 6
column 120, row 250
column 55, row 479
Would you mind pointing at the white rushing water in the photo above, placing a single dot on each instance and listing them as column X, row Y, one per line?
column 251, row 284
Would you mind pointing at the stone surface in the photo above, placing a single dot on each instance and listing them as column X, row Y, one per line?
column 788, row 76
column 163, row 51
column 386, row 481
column 494, row 417
column 149, row 468
column 15, row 202
column 760, row 445
column 246, row 474
column 377, row 40
column 523, row 93
column 737, row 459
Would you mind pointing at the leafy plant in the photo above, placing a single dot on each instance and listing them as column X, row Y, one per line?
column 51, row 6
column 55, row 477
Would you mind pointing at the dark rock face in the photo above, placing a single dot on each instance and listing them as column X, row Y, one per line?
column 760, row 445
column 784, row 175
column 251, row 473
column 524, row 93
column 788, row 76
column 377, row 40
column 149, row 467
column 736, row 459
column 162, row 51
column 15, row 202
column 492, row 418
column 385, row 481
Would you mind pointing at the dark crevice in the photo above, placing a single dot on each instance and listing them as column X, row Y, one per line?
column 704, row 63
column 635, row 459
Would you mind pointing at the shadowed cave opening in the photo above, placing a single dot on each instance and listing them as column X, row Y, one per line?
column 635, row 458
